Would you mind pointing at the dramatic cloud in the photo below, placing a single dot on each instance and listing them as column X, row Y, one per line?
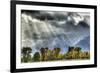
column 54, row 29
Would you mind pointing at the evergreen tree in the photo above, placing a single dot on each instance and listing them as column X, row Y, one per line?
column 36, row 57
column 25, row 51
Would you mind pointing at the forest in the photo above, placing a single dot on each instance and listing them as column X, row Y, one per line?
column 46, row 54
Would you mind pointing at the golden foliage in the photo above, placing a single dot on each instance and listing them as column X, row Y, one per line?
column 46, row 54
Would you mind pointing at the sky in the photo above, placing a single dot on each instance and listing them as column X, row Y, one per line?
column 55, row 29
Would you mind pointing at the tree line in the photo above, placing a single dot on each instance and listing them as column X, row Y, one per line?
column 46, row 54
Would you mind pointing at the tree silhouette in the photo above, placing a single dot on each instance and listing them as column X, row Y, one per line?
column 70, row 49
column 26, row 53
column 78, row 50
column 56, row 52
column 46, row 53
column 36, row 57
column 42, row 50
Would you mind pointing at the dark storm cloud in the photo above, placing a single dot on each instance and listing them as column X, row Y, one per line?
column 38, row 15
column 43, row 15
column 57, row 17
column 30, row 12
column 83, row 24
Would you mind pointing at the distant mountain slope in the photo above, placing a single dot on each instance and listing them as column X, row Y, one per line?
column 85, row 43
